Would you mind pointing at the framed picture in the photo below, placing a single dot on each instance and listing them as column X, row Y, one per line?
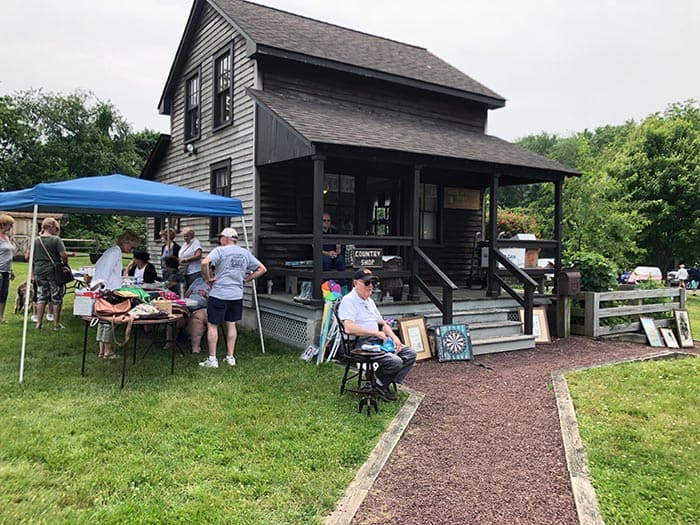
column 540, row 325
column 453, row 343
column 669, row 338
column 651, row 331
column 414, row 335
column 685, row 336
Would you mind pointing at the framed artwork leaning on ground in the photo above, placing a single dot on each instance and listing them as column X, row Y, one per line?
column 413, row 334
column 685, row 336
column 651, row 331
column 669, row 338
column 453, row 343
column 540, row 326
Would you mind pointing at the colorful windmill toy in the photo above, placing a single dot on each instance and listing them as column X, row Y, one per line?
column 331, row 291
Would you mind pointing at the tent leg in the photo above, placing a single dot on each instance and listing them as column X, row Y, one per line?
column 255, row 290
column 30, row 270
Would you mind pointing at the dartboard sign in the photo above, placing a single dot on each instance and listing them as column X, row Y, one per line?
column 453, row 343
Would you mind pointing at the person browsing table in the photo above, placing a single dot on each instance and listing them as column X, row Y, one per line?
column 232, row 266
column 191, row 256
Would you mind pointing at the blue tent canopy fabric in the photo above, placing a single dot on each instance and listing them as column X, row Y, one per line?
column 120, row 195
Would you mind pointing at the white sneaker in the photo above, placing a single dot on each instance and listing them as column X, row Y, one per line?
column 49, row 317
column 209, row 364
column 230, row 360
column 34, row 318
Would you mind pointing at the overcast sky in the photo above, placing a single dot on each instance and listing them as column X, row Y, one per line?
column 563, row 66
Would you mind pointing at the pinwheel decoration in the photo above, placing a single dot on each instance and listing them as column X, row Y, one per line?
column 331, row 291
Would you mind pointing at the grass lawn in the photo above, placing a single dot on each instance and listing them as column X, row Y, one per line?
column 639, row 424
column 269, row 441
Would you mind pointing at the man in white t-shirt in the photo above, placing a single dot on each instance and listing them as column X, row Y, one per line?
column 682, row 276
column 225, row 306
column 361, row 318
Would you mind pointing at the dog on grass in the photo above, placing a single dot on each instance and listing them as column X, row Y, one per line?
column 21, row 294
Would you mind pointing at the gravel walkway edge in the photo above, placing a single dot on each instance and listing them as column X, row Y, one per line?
column 360, row 486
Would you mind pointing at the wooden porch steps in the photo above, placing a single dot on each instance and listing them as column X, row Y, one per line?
column 493, row 323
column 502, row 344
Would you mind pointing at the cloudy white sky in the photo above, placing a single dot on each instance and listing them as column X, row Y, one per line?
column 563, row 66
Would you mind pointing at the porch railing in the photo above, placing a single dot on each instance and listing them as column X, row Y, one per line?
column 527, row 299
column 448, row 287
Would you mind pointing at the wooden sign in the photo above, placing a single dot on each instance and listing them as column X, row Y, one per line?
column 367, row 258
column 462, row 199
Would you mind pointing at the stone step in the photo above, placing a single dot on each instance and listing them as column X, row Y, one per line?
column 491, row 330
column 471, row 316
column 502, row 344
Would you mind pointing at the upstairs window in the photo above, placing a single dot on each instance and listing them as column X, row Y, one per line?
column 192, row 105
column 223, row 88
column 220, row 185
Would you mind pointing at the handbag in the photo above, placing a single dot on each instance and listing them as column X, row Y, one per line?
column 105, row 308
column 62, row 273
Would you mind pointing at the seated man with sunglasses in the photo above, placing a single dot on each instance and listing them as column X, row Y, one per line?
column 361, row 318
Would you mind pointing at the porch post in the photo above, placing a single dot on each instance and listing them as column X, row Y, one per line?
column 415, row 233
column 558, row 187
column 493, row 289
column 317, row 228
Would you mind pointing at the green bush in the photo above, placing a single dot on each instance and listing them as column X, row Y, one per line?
column 597, row 273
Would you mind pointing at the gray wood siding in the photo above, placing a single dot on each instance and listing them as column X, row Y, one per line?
column 280, row 77
column 234, row 142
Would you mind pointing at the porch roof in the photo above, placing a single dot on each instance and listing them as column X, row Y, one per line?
column 318, row 120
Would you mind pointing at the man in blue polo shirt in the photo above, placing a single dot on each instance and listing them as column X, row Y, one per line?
column 361, row 318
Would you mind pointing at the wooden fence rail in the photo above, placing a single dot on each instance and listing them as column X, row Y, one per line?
column 630, row 304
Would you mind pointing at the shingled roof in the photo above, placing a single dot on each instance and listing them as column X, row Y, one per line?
column 350, row 124
column 274, row 32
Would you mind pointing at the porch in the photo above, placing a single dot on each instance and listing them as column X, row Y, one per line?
column 412, row 188
column 494, row 322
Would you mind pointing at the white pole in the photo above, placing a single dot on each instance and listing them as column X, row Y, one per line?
column 28, row 293
column 255, row 289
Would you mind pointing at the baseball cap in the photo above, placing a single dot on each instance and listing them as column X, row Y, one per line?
column 229, row 232
column 365, row 274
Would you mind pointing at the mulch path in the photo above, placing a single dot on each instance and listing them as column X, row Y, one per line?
column 485, row 445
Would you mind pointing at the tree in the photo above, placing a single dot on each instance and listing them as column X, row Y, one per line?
column 659, row 168
column 46, row 137
column 596, row 214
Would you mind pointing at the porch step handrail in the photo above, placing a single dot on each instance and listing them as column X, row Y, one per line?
column 446, row 304
column 526, row 300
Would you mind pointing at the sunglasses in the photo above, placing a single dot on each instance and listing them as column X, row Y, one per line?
column 370, row 283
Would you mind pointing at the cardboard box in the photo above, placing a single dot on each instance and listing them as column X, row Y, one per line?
column 84, row 303
column 514, row 255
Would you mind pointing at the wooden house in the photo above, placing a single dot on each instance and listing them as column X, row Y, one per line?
column 295, row 117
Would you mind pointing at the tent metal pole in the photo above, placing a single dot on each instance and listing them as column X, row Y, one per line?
column 255, row 289
column 30, row 269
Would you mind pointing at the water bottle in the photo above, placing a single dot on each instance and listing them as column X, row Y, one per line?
column 269, row 287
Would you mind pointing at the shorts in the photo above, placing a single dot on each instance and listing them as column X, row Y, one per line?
column 220, row 310
column 47, row 291
column 4, row 286
column 105, row 334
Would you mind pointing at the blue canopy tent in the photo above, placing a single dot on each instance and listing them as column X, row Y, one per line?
column 117, row 195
